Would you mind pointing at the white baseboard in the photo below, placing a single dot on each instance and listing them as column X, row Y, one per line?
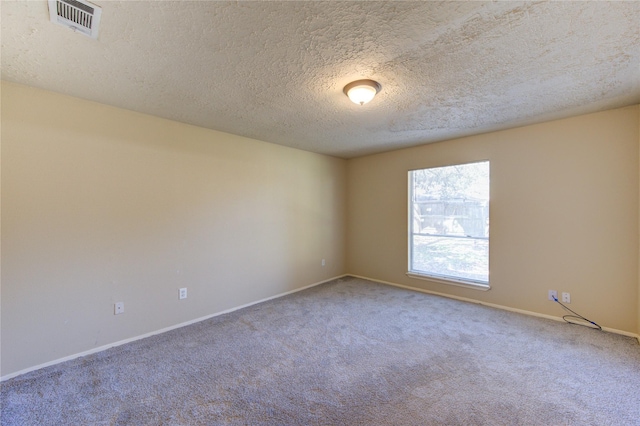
column 163, row 330
column 493, row 305
column 184, row 324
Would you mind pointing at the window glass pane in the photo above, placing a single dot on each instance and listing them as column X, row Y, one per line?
column 450, row 221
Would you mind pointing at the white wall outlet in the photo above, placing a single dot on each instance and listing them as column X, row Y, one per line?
column 182, row 293
column 553, row 295
column 566, row 298
column 323, row 262
column 118, row 308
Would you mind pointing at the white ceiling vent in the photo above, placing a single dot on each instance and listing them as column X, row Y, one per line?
column 80, row 16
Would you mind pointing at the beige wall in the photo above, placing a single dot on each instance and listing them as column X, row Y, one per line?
column 101, row 205
column 564, row 215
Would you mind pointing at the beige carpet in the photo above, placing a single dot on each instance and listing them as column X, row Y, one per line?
column 349, row 352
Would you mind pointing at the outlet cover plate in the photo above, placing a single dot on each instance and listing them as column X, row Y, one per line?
column 118, row 308
column 182, row 293
column 552, row 294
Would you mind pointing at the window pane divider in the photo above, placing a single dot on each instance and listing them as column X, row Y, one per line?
column 469, row 237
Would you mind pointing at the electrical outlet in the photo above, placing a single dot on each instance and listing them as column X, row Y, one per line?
column 118, row 308
column 323, row 262
column 553, row 295
column 566, row 298
column 183, row 293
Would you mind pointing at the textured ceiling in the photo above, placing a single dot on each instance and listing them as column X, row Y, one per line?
column 274, row 71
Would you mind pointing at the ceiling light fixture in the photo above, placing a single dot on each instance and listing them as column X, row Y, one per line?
column 362, row 91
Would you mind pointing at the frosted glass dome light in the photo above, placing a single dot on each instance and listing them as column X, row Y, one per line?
column 362, row 91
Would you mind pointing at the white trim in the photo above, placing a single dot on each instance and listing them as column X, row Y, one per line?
column 492, row 305
column 450, row 281
column 163, row 330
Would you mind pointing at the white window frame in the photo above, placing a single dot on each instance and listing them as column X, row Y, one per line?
column 422, row 275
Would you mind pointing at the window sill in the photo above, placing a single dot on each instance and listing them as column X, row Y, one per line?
column 450, row 281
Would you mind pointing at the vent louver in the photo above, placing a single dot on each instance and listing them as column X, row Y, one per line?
column 80, row 16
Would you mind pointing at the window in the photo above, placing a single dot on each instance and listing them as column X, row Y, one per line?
column 449, row 224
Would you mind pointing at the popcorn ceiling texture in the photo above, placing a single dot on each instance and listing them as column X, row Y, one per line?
column 274, row 71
